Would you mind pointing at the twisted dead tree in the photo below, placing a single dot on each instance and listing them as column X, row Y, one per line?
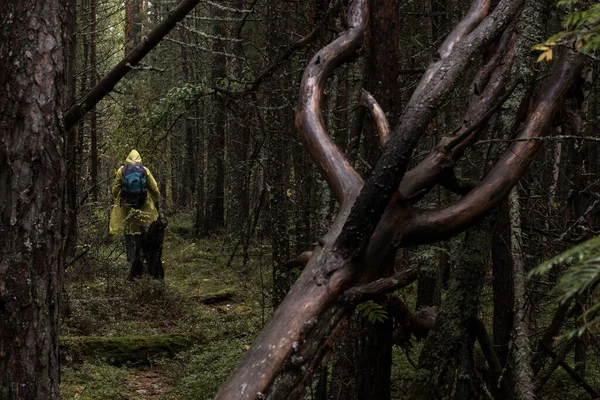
column 379, row 216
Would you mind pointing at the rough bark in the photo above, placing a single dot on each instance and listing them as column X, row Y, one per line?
column 470, row 35
column 503, row 286
column 93, row 115
column 522, row 373
column 215, row 217
column 133, row 24
column 279, row 160
column 33, row 63
column 374, row 341
column 189, row 171
column 382, row 69
column 440, row 361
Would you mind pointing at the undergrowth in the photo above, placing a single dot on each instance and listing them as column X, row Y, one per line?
column 103, row 304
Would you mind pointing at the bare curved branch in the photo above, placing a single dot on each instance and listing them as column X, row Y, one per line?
column 299, row 261
column 342, row 178
column 423, row 177
column 367, row 100
column 358, row 294
column 431, row 225
column 296, row 337
column 385, row 179
column 290, row 338
column 478, row 11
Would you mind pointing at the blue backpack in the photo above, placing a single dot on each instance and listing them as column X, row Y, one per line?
column 133, row 185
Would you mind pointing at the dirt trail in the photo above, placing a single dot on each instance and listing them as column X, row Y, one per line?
column 149, row 384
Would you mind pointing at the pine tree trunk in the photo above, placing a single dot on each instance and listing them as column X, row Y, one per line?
column 238, row 204
column 216, row 216
column 278, row 164
column 71, row 149
column 93, row 115
column 188, row 177
column 33, row 59
column 374, row 341
column 133, row 26
column 502, row 269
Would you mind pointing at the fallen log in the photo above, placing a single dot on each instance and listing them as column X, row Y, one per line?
column 213, row 298
column 123, row 350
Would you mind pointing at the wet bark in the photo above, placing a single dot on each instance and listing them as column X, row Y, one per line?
column 382, row 69
column 33, row 64
column 374, row 341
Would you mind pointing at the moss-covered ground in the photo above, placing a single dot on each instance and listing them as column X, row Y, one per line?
column 105, row 310
column 204, row 339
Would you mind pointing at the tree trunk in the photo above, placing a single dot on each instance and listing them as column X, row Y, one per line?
column 374, row 215
column 93, row 115
column 522, row 372
column 188, row 176
column 33, row 59
column 278, row 164
column 238, row 204
column 133, row 24
column 215, row 219
column 502, row 269
column 438, row 362
column 382, row 69
column 71, row 147
column 374, row 341
column 200, row 203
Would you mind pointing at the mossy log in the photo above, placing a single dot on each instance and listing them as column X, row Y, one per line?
column 123, row 350
column 213, row 298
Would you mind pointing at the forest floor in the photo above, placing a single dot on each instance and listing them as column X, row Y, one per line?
column 181, row 338
column 216, row 310
column 177, row 339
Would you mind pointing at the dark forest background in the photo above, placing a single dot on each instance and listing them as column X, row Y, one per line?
column 212, row 109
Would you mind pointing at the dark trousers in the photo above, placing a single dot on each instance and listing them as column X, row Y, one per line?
column 146, row 247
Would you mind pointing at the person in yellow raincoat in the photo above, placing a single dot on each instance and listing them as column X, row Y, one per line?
column 132, row 222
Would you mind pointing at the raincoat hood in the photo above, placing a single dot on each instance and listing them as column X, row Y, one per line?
column 133, row 158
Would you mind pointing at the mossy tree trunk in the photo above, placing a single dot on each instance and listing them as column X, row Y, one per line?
column 442, row 353
column 502, row 284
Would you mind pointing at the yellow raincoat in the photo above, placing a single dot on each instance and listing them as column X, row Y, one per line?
column 125, row 219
